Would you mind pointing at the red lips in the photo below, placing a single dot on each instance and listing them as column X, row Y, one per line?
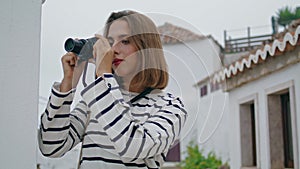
column 117, row 61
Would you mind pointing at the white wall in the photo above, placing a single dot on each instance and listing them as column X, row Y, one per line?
column 259, row 89
column 19, row 71
column 212, row 124
column 189, row 63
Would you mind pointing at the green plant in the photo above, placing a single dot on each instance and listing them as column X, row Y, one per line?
column 286, row 15
column 196, row 160
column 297, row 12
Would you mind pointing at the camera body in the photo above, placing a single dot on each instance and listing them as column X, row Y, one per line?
column 82, row 47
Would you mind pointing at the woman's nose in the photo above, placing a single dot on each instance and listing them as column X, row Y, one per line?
column 115, row 48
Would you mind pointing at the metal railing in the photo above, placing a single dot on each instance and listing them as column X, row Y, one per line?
column 246, row 43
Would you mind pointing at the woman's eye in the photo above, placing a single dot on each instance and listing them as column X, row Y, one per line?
column 125, row 42
column 111, row 43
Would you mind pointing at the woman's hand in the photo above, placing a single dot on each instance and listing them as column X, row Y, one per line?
column 103, row 55
column 72, row 71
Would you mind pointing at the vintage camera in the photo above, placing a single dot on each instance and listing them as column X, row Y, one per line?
column 82, row 47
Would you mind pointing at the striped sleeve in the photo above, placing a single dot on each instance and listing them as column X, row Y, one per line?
column 132, row 140
column 60, row 128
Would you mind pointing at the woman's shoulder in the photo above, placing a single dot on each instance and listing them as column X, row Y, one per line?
column 168, row 102
column 165, row 97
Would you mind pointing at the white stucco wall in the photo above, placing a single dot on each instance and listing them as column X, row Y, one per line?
column 259, row 89
column 212, row 124
column 19, row 65
column 189, row 63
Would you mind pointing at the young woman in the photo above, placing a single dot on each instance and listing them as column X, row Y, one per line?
column 124, row 119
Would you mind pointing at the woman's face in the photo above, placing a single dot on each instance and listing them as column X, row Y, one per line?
column 125, row 61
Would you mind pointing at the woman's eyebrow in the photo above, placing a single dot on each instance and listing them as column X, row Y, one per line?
column 123, row 36
column 119, row 36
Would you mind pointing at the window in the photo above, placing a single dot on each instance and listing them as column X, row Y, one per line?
column 174, row 153
column 203, row 90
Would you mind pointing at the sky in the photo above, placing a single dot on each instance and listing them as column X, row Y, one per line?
column 82, row 19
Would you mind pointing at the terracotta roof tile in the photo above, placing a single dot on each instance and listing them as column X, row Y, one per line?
column 171, row 34
column 287, row 43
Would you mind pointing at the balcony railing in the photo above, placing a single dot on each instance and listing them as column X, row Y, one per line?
column 247, row 43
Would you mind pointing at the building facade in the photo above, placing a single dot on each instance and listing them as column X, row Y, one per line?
column 263, row 93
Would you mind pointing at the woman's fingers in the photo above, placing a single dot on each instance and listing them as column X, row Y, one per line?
column 102, row 41
column 103, row 55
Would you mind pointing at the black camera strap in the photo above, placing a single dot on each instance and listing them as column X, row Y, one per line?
column 142, row 94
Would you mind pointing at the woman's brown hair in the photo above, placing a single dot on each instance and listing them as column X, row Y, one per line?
column 145, row 36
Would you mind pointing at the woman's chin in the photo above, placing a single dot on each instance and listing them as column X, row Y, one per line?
column 119, row 72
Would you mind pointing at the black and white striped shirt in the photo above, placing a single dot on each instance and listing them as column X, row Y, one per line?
column 114, row 133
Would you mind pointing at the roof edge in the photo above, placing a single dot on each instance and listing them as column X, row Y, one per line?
column 260, row 54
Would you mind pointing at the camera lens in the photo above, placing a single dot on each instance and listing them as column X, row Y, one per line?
column 69, row 45
column 73, row 45
column 82, row 47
